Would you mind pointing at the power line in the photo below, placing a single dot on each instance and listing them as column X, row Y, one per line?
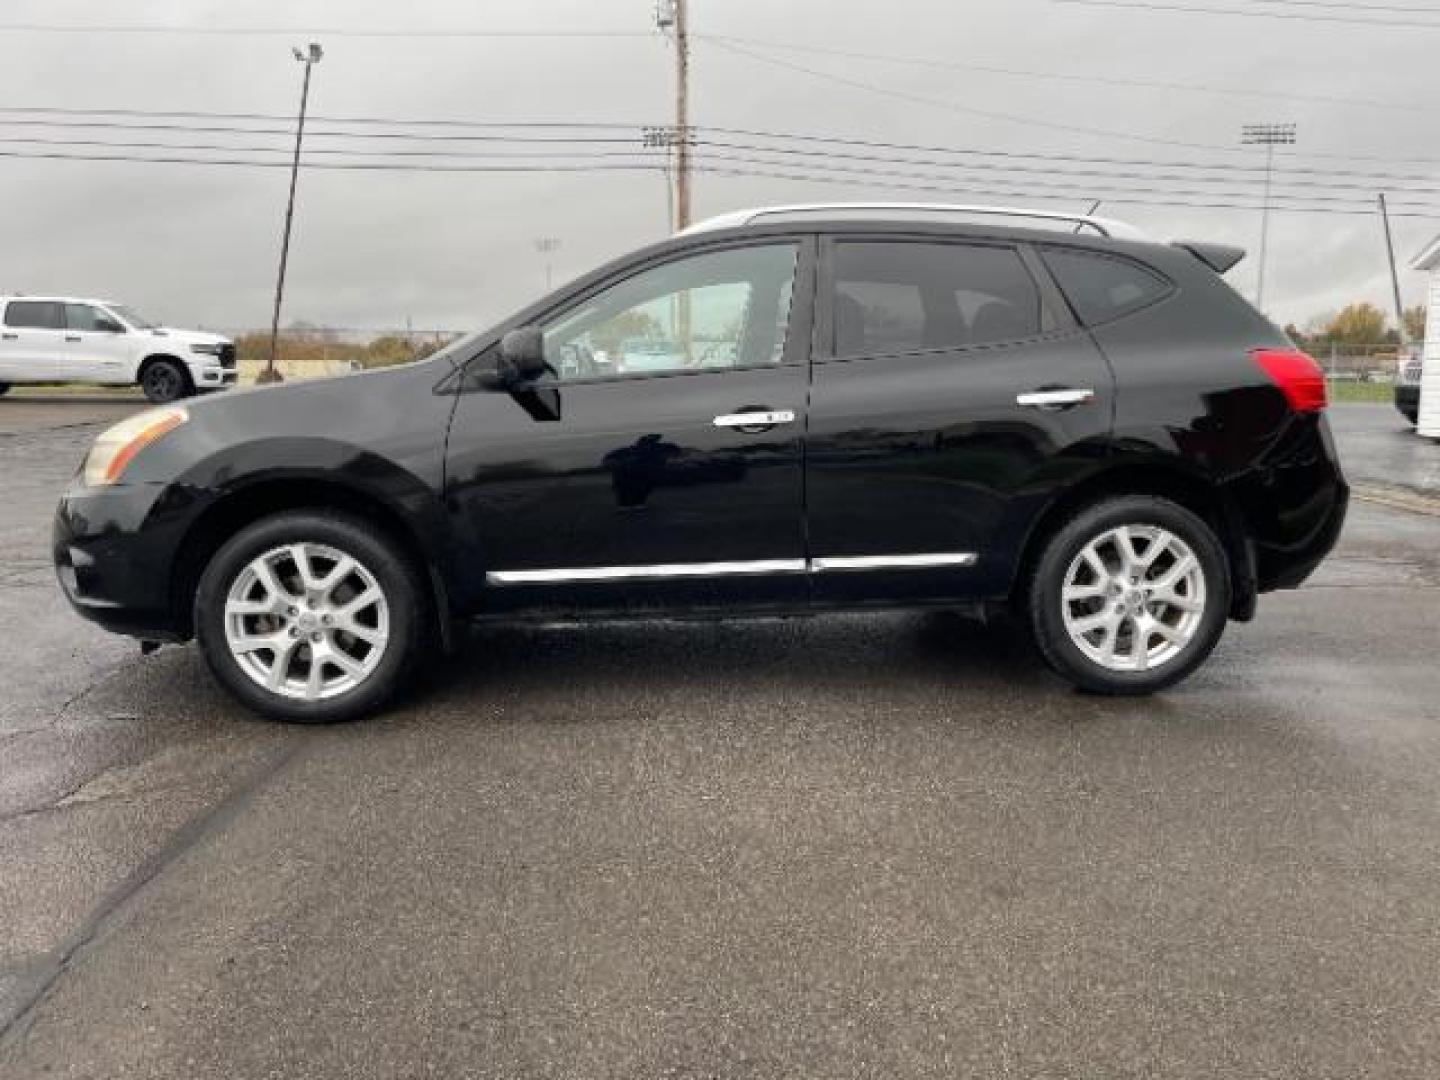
column 1060, row 76
column 308, row 31
column 1014, row 118
column 1019, row 194
column 626, row 134
column 1255, row 13
column 738, row 165
column 657, row 155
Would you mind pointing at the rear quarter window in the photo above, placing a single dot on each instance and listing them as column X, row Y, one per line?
column 35, row 315
column 1103, row 287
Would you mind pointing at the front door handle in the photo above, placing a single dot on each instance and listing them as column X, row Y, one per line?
column 10, row 337
column 1051, row 400
column 755, row 420
column 72, row 337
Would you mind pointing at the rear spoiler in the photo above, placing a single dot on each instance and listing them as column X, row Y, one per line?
column 1219, row 257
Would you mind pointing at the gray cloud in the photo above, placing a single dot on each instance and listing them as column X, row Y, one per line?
column 199, row 245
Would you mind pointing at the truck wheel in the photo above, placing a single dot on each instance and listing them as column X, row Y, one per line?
column 311, row 617
column 165, row 381
column 1130, row 596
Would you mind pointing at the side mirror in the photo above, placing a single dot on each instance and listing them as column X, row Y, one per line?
column 522, row 354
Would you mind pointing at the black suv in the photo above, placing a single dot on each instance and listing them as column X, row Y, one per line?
column 790, row 410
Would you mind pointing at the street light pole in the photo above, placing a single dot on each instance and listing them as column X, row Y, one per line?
column 1268, row 136
column 309, row 57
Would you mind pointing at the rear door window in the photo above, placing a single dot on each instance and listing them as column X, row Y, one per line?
column 908, row 296
column 35, row 315
column 1103, row 287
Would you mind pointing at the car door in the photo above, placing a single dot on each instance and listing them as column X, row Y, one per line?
column 952, row 393
column 100, row 349
column 679, row 480
column 32, row 343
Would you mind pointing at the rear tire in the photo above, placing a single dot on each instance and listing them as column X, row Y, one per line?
column 311, row 617
column 165, row 381
column 4, row 388
column 1130, row 596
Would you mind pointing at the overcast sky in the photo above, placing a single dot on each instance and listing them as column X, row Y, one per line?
column 198, row 244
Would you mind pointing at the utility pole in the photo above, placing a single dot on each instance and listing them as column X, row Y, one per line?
column 309, row 57
column 547, row 246
column 672, row 19
column 1394, row 273
column 1268, row 136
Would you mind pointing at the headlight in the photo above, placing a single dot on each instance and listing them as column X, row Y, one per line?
column 208, row 350
column 115, row 448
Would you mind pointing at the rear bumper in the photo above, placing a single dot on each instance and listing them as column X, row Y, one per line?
column 1294, row 504
column 108, row 573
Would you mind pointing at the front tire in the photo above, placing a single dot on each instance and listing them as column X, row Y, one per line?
column 165, row 381
column 1130, row 596
column 4, row 388
column 310, row 617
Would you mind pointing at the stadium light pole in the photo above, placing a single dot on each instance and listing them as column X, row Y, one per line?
column 547, row 246
column 309, row 57
column 1268, row 136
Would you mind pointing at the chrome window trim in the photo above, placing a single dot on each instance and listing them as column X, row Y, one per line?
column 671, row 571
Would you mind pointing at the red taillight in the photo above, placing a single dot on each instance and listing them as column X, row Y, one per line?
column 1296, row 375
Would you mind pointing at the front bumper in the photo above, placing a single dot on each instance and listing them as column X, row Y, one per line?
column 213, row 378
column 111, row 571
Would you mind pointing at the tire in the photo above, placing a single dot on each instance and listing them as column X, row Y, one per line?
column 4, row 388
column 1073, row 634
column 165, row 381
column 394, row 625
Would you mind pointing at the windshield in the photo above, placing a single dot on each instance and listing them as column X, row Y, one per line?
column 129, row 315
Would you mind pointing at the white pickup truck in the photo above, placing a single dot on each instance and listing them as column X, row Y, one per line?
column 53, row 339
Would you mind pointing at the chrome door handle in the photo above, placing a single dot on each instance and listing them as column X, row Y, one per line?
column 1054, row 399
column 755, row 419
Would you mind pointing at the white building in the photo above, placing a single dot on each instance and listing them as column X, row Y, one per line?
column 1429, row 420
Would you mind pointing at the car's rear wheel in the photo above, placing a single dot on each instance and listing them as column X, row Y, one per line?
column 310, row 617
column 1130, row 596
column 4, row 388
column 165, row 381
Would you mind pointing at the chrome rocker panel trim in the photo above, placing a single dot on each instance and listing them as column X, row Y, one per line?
column 670, row 571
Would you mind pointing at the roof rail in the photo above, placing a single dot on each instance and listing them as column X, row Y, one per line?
column 1107, row 227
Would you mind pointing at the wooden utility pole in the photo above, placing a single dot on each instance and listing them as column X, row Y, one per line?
column 682, row 116
column 1394, row 273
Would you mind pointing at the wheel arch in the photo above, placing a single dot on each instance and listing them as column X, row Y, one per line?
column 259, row 499
column 151, row 359
column 1172, row 481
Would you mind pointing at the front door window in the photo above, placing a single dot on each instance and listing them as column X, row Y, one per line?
column 720, row 310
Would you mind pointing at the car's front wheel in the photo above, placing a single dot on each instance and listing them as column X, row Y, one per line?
column 164, row 381
column 1129, row 596
column 310, row 617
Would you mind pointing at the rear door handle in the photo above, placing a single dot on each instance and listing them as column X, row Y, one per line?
column 1055, row 399
column 72, row 337
column 10, row 337
column 756, row 419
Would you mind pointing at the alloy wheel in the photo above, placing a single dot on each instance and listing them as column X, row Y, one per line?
column 306, row 621
column 1133, row 598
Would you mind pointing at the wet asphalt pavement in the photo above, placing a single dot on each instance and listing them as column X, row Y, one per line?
column 851, row 846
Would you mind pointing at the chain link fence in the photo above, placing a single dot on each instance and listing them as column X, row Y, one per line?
column 1360, row 363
